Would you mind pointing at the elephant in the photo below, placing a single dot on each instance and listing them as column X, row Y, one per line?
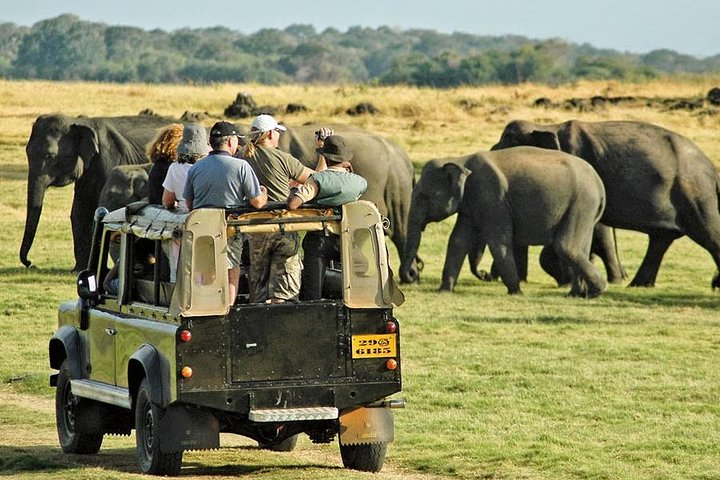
column 125, row 184
column 603, row 245
column 385, row 166
column 510, row 199
column 62, row 150
column 657, row 181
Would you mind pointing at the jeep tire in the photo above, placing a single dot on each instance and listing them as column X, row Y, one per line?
column 367, row 457
column 151, row 457
column 68, row 410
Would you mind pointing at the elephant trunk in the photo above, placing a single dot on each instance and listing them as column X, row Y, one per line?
column 35, row 194
column 409, row 272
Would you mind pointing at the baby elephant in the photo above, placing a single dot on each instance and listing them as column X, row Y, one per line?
column 511, row 198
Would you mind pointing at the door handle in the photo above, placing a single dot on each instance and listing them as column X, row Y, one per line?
column 110, row 331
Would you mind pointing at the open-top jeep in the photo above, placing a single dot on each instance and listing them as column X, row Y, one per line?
column 180, row 363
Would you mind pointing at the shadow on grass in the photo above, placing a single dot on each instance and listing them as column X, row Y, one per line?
column 21, row 270
column 18, row 460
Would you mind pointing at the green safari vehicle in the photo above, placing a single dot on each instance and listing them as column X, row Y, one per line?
column 179, row 363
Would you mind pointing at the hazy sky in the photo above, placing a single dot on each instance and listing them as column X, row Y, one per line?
column 638, row 26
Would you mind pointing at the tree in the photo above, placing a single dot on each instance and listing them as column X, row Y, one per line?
column 61, row 48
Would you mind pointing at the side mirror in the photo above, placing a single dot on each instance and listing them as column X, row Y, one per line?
column 87, row 285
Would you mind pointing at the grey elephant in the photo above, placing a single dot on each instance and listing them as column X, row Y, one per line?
column 509, row 199
column 657, row 181
column 603, row 245
column 385, row 166
column 62, row 150
column 125, row 184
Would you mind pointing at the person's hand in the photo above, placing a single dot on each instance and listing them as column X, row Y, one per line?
column 321, row 135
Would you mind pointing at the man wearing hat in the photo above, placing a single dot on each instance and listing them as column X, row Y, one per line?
column 222, row 181
column 275, row 265
column 333, row 186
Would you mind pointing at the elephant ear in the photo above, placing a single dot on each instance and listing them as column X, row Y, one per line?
column 88, row 146
column 456, row 176
column 548, row 140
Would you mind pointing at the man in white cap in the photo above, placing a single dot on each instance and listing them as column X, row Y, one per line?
column 275, row 266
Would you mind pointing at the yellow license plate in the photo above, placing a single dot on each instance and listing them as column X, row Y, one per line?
column 374, row 346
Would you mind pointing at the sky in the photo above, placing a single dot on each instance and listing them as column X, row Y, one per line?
column 637, row 26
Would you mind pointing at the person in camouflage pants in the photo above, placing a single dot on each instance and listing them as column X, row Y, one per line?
column 275, row 265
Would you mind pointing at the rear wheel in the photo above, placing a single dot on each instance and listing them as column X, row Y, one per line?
column 152, row 459
column 69, row 411
column 367, row 458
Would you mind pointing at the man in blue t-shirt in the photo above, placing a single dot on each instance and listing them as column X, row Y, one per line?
column 223, row 181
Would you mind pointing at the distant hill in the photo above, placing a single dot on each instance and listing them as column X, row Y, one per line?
column 68, row 48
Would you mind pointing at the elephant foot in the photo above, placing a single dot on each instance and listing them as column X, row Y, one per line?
column 715, row 284
column 484, row 276
column 642, row 284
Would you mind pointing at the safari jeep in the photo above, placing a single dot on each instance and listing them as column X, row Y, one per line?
column 180, row 363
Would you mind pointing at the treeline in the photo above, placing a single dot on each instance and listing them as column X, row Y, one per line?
column 68, row 48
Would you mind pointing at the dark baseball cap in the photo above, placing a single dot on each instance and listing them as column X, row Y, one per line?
column 224, row 129
column 335, row 149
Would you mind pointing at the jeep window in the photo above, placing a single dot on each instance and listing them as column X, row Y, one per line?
column 150, row 274
column 204, row 267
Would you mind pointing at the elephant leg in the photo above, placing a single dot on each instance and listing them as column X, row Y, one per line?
column 460, row 243
column 521, row 259
column 647, row 273
column 475, row 257
column 553, row 266
column 605, row 247
column 504, row 259
column 520, row 253
column 81, row 220
column 706, row 233
column 572, row 244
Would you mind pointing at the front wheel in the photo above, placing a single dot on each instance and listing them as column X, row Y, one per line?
column 152, row 459
column 366, row 458
column 69, row 411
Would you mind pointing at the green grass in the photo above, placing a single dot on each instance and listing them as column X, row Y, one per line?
column 538, row 386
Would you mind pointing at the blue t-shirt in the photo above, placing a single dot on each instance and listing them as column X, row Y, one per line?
column 221, row 181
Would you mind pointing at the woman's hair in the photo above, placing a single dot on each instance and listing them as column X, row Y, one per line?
column 255, row 138
column 164, row 147
column 190, row 158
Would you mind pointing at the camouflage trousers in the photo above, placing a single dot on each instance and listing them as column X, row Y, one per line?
column 275, row 266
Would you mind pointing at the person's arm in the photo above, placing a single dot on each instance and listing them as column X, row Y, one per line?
column 302, row 178
column 294, row 202
column 188, row 193
column 261, row 200
column 305, row 193
column 169, row 199
column 320, row 137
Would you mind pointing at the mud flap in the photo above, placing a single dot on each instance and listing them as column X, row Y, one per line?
column 366, row 425
column 183, row 428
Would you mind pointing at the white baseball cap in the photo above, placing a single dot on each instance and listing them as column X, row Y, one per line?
column 265, row 123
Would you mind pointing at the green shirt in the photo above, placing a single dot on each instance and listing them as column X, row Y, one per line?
column 275, row 169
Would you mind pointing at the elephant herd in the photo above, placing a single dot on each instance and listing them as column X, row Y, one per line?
column 563, row 186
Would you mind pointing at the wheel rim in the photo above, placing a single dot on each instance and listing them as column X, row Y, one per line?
column 148, row 432
column 69, row 404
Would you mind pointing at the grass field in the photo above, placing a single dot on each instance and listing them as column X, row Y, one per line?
column 539, row 386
